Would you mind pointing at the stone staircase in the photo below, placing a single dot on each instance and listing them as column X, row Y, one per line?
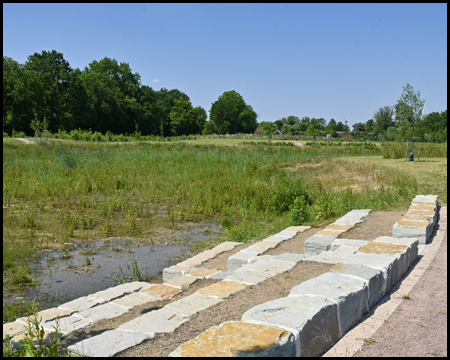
column 332, row 302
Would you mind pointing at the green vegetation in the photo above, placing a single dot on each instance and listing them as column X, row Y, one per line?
column 398, row 150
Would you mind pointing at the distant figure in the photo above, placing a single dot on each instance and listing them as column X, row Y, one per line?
column 411, row 156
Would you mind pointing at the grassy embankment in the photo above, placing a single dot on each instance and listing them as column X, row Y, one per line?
column 66, row 190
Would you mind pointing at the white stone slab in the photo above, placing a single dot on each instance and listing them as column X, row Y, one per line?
column 80, row 304
column 155, row 322
column 108, row 343
column 108, row 294
column 67, row 324
column 271, row 267
column 192, row 304
column 134, row 299
column 101, row 312
column 248, row 277
column 256, row 250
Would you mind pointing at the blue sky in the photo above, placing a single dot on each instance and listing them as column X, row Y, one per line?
column 341, row 61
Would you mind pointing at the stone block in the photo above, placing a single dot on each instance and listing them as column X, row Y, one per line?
column 277, row 238
column 348, row 221
column 102, row 312
column 350, row 242
column 161, row 291
column 422, row 230
column 132, row 286
column 108, row 294
column 412, row 244
column 299, row 229
column 338, row 227
column 238, row 260
column 316, row 244
column 223, row 247
column 175, row 271
column 239, row 339
column 375, row 278
column 287, row 234
column 222, row 289
column 134, row 299
column 271, row 267
column 48, row 314
column 220, row 275
column 13, row 328
column 351, row 295
column 256, row 250
column 80, row 304
column 258, row 258
column 295, row 258
column 67, row 324
column 192, row 304
column 108, row 343
column 155, row 322
column 47, row 340
column 267, row 244
column 334, row 257
column 315, row 319
column 182, row 282
column 248, row 277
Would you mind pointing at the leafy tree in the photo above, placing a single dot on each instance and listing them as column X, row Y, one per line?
column 186, row 120
column 359, row 127
column 150, row 117
column 383, row 119
column 332, row 124
column 231, row 114
column 408, row 110
column 340, row 126
column 311, row 130
column 166, row 101
column 369, row 125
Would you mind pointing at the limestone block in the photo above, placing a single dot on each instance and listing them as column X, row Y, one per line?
column 108, row 343
column 108, row 294
column 67, row 324
column 47, row 340
column 290, row 257
column 161, row 291
column 239, row 259
column 413, row 229
column 412, row 244
column 134, row 299
column 346, row 220
column 80, row 304
column 338, row 227
column 192, row 304
column 268, row 244
column 48, row 314
column 351, row 295
column 259, row 257
column 315, row 318
column 270, row 267
column 298, row 229
column 175, row 271
column 287, row 234
column 155, row 322
column 182, row 282
column 220, row 275
column 255, row 249
column 101, row 312
column 222, row 289
column 132, row 286
column 248, row 277
column 13, row 328
column 328, row 232
column 239, row 339
column 375, row 278
column 350, row 242
column 316, row 244
column 277, row 238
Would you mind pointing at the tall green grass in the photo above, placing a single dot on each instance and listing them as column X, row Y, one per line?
column 427, row 150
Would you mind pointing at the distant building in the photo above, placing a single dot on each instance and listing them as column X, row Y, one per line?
column 347, row 136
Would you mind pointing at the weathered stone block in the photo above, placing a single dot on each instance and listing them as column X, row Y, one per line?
column 328, row 232
column 286, row 234
column 80, row 304
column 290, row 257
column 135, row 299
column 222, row 289
column 350, row 294
column 175, row 271
column 108, row 343
column 316, row 244
column 350, row 242
column 375, row 278
column 239, row 339
column 13, row 328
column 412, row 244
column 334, row 257
column 101, row 312
column 48, row 314
column 255, row 249
column 315, row 318
column 161, row 291
column 182, row 282
column 192, row 304
column 422, row 230
column 238, row 260
column 47, row 339
column 248, row 277
column 67, row 324
column 155, row 322
column 271, row 267
column 267, row 244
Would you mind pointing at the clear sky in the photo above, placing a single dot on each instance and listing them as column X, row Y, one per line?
column 341, row 61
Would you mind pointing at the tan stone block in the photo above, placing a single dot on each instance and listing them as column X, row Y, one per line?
column 298, row 228
column 269, row 244
column 164, row 292
column 201, row 273
column 233, row 339
column 222, row 288
column 375, row 247
column 49, row 314
column 13, row 328
column 416, row 223
column 339, row 227
column 47, row 339
column 330, row 232
column 422, row 207
column 429, row 203
column 424, row 212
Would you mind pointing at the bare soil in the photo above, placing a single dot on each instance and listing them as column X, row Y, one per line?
column 375, row 225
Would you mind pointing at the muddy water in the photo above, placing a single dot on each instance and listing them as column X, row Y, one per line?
column 64, row 276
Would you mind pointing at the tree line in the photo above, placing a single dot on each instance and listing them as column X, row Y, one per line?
column 45, row 93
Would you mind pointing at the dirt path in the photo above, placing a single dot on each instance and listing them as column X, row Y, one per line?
column 26, row 141
column 418, row 327
column 296, row 143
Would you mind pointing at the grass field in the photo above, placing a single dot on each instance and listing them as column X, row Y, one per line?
column 65, row 190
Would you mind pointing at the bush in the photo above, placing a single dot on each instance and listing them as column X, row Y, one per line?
column 427, row 150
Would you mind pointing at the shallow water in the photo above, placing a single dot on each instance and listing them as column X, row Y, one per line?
column 64, row 276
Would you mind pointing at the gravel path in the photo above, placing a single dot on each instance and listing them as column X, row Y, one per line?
column 419, row 325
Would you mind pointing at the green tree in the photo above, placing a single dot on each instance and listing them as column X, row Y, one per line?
column 332, row 124
column 383, row 120
column 408, row 110
column 185, row 119
column 311, row 130
column 232, row 115
column 357, row 127
column 166, row 102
